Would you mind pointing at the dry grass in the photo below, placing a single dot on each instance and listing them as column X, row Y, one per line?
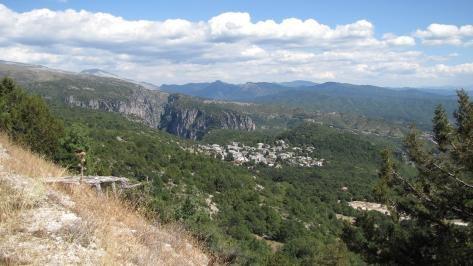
column 17, row 161
column 15, row 197
column 124, row 235
column 128, row 238
column 26, row 163
column 12, row 201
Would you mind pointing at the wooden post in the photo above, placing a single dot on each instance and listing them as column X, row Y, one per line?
column 114, row 188
column 81, row 156
column 98, row 188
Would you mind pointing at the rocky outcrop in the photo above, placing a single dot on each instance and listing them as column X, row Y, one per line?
column 159, row 110
column 145, row 105
column 193, row 121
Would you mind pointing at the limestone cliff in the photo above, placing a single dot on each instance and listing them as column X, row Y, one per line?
column 190, row 120
column 142, row 104
column 193, row 120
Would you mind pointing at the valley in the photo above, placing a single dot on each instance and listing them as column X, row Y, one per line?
column 256, row 183
column 252, row 133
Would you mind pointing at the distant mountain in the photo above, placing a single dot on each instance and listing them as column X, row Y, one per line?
column 21, row 64
column 449, row 91
column 394, row 105
column 400, row 105
column 149, row 86
column 298, row 83
column 220, row 90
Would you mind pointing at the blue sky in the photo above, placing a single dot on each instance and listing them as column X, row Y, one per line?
column 393, row 43
column 388, row 15
column 397, row 16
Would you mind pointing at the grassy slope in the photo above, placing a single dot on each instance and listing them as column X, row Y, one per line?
column 108, row 223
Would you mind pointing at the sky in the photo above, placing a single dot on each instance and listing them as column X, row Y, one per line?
column 388, row 43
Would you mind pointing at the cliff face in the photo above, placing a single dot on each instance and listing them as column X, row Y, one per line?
column 178, row 114
column 142, row 104
column 159, row 110
column 193, row 122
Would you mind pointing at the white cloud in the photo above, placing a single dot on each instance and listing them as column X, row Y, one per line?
column 229, row 46
column 234, row 26
column 441, row 34
column 452, row 70
column 254, row 51
column 392, row 39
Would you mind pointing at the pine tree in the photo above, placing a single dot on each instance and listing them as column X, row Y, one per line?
column 425, row 210
column 463, row 115
column 442, row 128
column 7, row 85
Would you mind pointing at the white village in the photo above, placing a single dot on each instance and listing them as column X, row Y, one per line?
column 275, row 155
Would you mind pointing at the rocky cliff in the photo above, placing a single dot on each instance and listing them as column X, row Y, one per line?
column 194, row 120
column 181, row 115
column 191, row 120
column 145, row 105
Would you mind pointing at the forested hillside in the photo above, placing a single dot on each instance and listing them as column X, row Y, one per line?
column 402, row 106
column 63, row 223
column 398, row 106
column 431, row 214
column 247, row 216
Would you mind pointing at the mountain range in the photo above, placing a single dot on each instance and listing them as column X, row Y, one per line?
column 99, row 89
column 397, row 105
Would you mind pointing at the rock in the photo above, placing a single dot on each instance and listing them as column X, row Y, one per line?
column 159, row 110
column 143, row 104
column 190, row 119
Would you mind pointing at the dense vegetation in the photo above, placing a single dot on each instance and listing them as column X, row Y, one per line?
column 27, row 120
column 296, row 205
column 421, row 229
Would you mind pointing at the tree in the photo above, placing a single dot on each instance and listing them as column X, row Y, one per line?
column 27, row 119
column 442, row 128
column 75, row 140
column 187, row 210
column 424, row 208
